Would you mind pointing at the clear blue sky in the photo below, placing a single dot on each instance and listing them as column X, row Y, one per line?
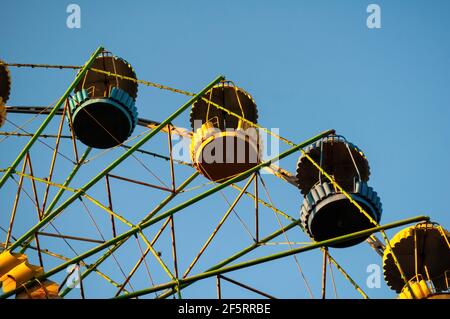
column 310, row 66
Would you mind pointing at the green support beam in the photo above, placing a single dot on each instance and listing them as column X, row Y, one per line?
column 49, row 117
column 125, row 155
column 279, row 255
column 236, row 178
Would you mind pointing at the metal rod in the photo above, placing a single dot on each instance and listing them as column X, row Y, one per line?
column 237, row 283
column 376, row 245
column 101, row 71
column 172, row 171
column 48, row 118
column 29, row 135
column 174, row 252
column 55, row 152
column 72, row 134
column 140, row 183
column 256, row 208
column 324, row 272
column 167, row 158
column 110, row 167
column 81, row 286
column 38, row 210
column 14, row 210
column 47, row 66
column 71, row 237
column 332, row 278
column 33, row 184
column 108, row 191
column 141, row 121
column 279, row 255
column 219, row 290
column 38, row 248
column 174, row 246
column 145, row 262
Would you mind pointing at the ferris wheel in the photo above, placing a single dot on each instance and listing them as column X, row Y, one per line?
column 94, row 196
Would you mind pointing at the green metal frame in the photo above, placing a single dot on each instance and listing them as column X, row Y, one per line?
column 149, row 220
column 60, row 193
column 138, row 228
column 117, row 245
